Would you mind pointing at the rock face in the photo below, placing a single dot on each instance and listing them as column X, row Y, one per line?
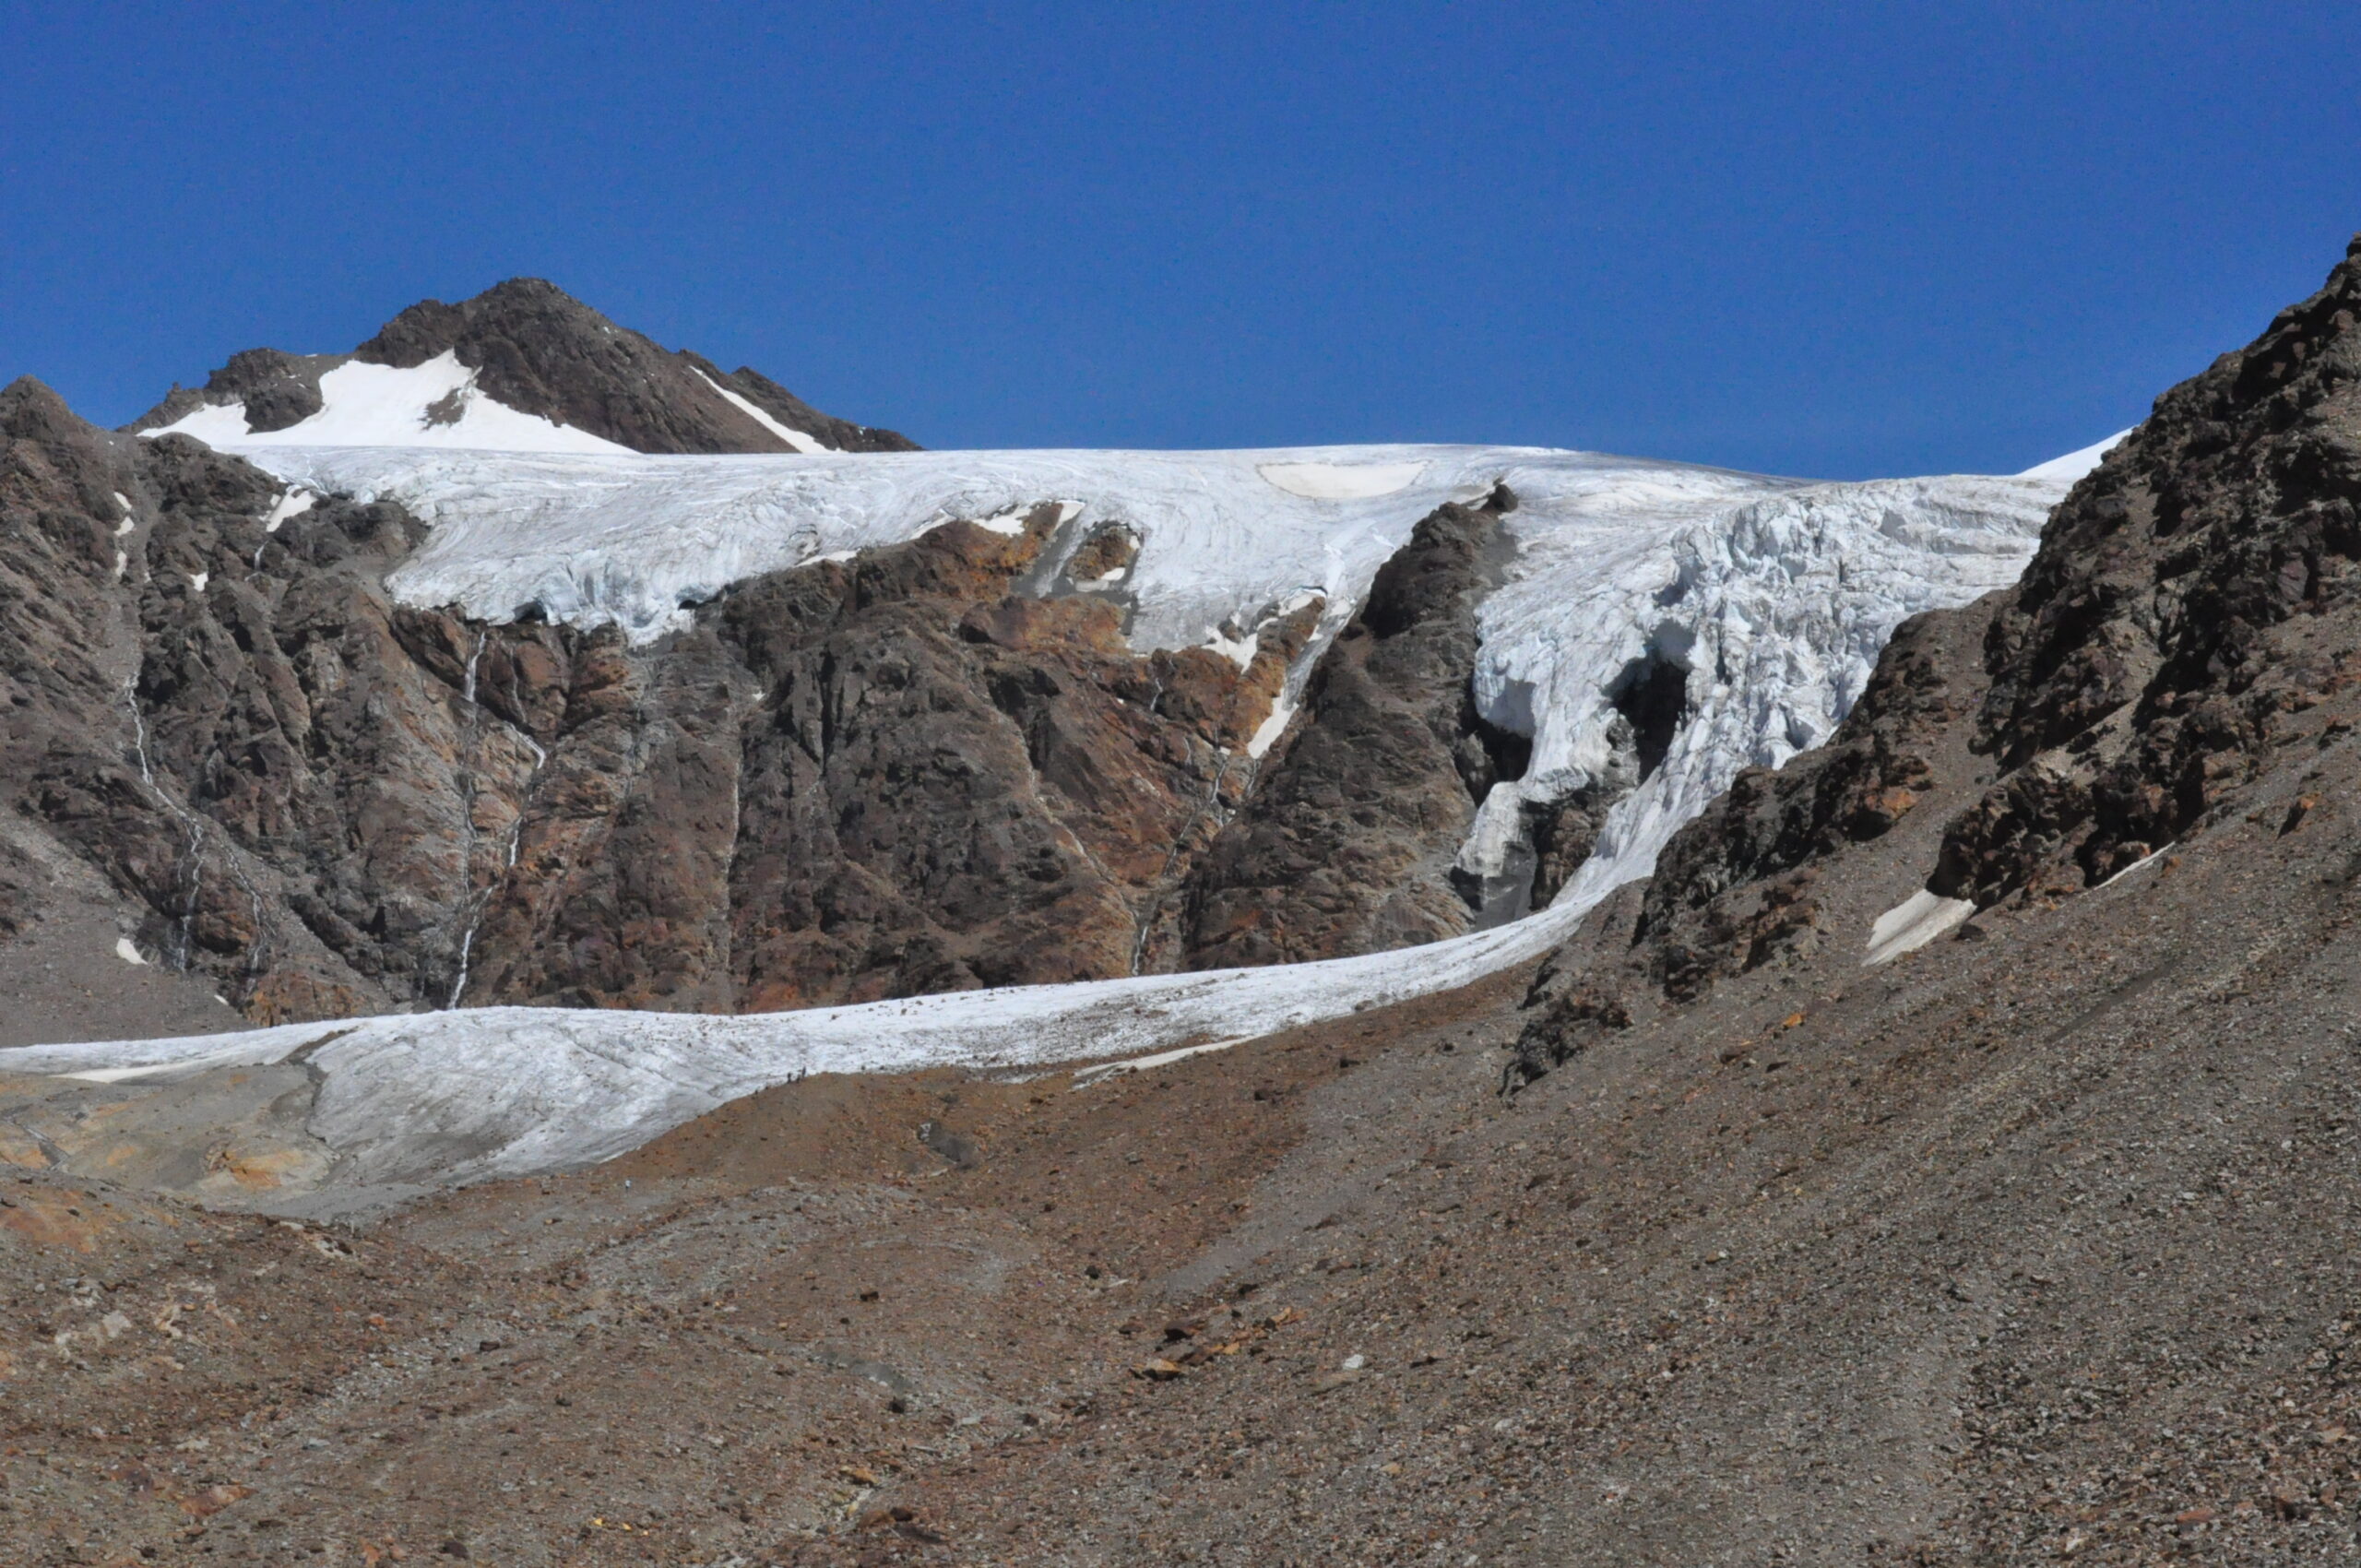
column 2193, row 598
column 1352, row 839
column 190, row 690
column 873, row 779
column 1347, row 844
column 536, row 350
column 937, row 765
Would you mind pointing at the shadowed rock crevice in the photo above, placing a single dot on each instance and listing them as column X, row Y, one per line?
column 1652, row 697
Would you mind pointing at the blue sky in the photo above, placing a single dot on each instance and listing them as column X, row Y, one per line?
column 1831, row 239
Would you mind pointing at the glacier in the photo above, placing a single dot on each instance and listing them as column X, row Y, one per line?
column 1772, row 596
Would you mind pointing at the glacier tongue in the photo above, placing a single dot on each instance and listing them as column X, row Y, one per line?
column 1767, row 600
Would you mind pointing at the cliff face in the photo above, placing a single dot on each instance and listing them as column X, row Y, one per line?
column 2192, row 599
column 1347, row 843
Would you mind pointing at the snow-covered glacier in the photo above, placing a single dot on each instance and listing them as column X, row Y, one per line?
column 1770, row 597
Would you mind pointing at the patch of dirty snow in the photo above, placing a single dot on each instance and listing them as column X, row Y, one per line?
column 1912, row 923
column 293, row 503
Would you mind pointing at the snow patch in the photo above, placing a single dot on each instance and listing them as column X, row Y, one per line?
column 1912, row 923
column 1237, row 650
column 1010, row 523
column 376, row 405
column 796, row 440
column 2142, row 863
column 2075, row 464
column 293, row 503
column 1266, row 734
column 1104, row 1070
column 197, row 581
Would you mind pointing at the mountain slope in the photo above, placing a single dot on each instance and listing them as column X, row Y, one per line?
column 521, row 366
column 2031, row 1243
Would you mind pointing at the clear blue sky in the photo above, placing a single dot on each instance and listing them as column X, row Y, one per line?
column 1834, row 239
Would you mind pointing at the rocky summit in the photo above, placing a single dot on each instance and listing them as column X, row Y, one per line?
column 640, row 995
column 528, row 348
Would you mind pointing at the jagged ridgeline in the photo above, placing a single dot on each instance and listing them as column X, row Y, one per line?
column 513, row 659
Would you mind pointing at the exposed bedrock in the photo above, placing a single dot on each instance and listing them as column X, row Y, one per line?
column 1348, row 842
column 944, row 784
column 2193, row 598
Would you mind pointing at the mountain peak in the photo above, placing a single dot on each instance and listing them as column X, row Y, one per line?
column 523, row 347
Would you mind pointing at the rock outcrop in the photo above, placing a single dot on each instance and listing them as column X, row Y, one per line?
column 1347, row 842
column 536, row 350
column 2193, row 597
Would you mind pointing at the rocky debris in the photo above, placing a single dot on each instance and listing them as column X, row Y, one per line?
column 1348, row 840
column 538, row 351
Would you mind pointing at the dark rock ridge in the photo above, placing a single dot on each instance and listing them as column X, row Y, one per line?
column 933, row 766
column 2194, row 600
column 1347, row 843
column 540, row 351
